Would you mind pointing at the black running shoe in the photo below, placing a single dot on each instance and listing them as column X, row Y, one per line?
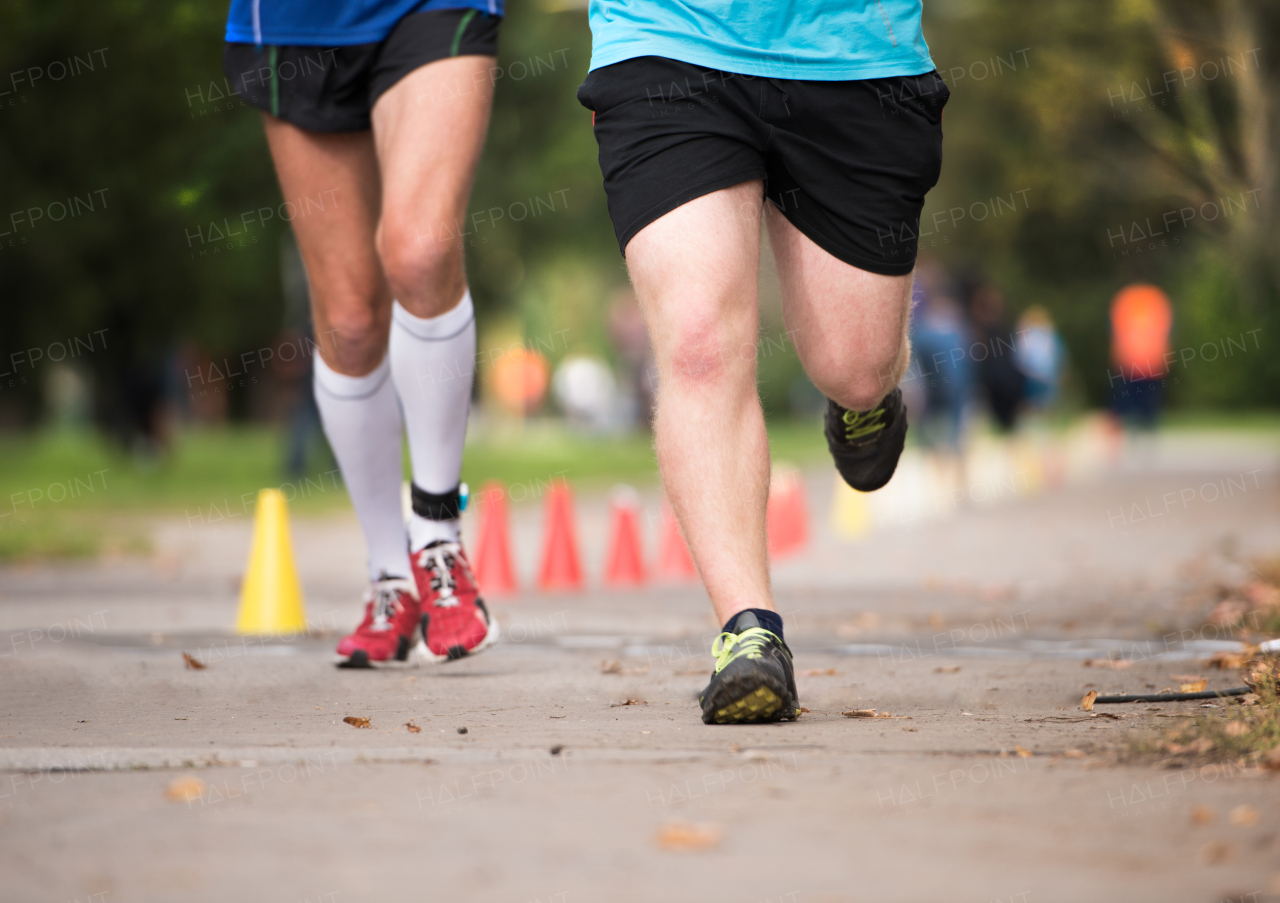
column 866, row 445
column 753, row 681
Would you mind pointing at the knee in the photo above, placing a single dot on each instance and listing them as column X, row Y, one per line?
column 706, row 355
column 424, row 273
column 860, row 382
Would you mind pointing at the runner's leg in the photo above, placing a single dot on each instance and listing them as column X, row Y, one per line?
column 695, row 273
column 429, row 130
column 849, row 326
column 351, row 309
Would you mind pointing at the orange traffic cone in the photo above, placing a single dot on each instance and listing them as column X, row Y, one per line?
column 560, row 565
column 271, row 596
column 625, row 564
column 788, row 516
column 493, row 569
column 674, row 560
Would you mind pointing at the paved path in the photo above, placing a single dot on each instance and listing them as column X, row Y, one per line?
column 970, row 629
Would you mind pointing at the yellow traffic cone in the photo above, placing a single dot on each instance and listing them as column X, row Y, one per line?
column 271, row 596
column 850, row 514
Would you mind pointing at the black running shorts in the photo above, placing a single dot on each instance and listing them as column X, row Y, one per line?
column 848, row 162
column 333, row 89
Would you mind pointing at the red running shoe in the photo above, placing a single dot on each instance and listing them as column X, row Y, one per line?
column 385, row 636
column 454, row 619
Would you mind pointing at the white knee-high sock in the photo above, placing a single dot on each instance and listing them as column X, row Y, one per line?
column 433, row 362
column 361, row 419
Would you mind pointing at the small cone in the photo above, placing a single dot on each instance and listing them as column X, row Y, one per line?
column 625, row 564
column 788, row 516
column 674, row 560
column 493, row 569
column 560, row 569
column 271, row 596
column 851, row 513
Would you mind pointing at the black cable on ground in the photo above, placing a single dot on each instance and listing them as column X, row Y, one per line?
column 1174, row 697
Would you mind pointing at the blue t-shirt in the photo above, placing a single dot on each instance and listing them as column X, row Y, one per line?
column 330, row 23
column 819, row 40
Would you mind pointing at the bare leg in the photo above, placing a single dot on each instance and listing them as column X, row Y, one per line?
column 849, row 326
column 695, row 273
column 350, row 302
column 429, row 134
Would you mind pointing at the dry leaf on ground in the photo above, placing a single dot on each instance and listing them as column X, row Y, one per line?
column 866, row 713
column 1215, row 852
column 1202, row 815
column 1244, row 816
column 946, row 669
column 1195, row 686
column 185, row 789
column 193, row 663
column 1074, row 753
column 686, row 836
column 356, row 722
column 1022, row 753
column 413, row 728
column 817, row 672
column 1188, row 678
column 628, row 702
column 1115, row 664
column 1227, row 661
column 610, row 666
column 1087, row 702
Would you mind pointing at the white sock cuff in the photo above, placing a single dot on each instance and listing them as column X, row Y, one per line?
column 346, row 387
column 435, row 329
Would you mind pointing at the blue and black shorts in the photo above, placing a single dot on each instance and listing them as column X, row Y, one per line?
column 333, row 89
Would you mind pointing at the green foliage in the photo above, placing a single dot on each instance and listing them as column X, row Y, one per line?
column 1050, row 127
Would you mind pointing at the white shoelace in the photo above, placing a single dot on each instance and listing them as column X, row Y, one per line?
column 439, row 559
column 386, row 600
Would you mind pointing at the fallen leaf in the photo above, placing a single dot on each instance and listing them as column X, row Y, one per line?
column 1227, row 661
column 610, row 666
column 628, row 702
column 185, row 789
column 1187, row 678
column 1215, row 852
column 1022, row 753
column 1195, row 686
column 946, row 669
column 1115, row 664
column 817, row 672
column 1087, row 702
column 356, row 722
column 1074, row 753
column 1235, row 729
column 803, row 710
column 413, row 728
column 193, row 663
column 1245, row 816
column 686, row 836
column 1202, row 815
column 866, row 713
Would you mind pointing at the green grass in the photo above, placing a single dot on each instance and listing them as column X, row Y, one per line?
column 69, row 495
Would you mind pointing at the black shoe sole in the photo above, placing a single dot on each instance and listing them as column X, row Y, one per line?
column 867, row 469
column 748, row 693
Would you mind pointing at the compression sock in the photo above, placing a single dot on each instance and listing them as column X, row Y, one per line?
column 362, row 422
column 433, row 363
column 769, row 620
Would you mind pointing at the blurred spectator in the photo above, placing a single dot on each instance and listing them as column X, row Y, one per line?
column 1040, row 356
column 940, row 367
column 992, row 352
column 631, row 339
column 588, row 393
column 133, row 387
column 1141, row 320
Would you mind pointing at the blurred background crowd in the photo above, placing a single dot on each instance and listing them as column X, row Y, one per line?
column 1102, row 238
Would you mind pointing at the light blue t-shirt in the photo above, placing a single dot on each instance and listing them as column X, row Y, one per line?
column 819, row 40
